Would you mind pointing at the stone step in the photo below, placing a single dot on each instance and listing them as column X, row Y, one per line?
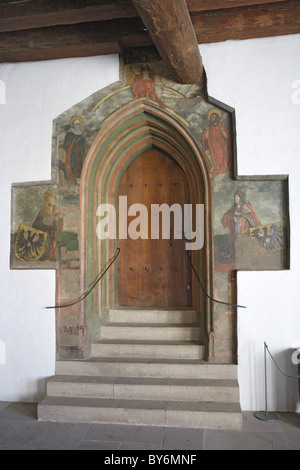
column 148, row 331
column 150, row 349
column 135, row 315
column 147, row 369
column 137, row 388
column 141, row 412
column 144, row 367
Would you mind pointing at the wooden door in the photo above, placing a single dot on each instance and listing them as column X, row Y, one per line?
column 154, row 272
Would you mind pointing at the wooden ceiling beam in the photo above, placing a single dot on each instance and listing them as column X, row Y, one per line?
column 84, row 40
column 112, row 37
column 247, row 22
column 17, row 16
column 195, row 6
column 32, row 14
column 170, row 27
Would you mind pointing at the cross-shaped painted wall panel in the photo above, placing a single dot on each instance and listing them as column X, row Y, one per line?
column 54, row 223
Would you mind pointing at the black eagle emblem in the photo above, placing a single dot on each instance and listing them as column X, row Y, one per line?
column 271, row 237
column 29, row 244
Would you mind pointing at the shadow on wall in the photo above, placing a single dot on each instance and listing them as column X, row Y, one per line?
column 33, row 391
column 284, row 373
column 2, row 92
column 2, row 353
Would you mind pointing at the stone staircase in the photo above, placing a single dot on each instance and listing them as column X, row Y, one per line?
column 147, row 373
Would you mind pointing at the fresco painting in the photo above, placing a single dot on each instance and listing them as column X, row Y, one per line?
column 250, row 215
column 270, row 236
column 143, row 76
column 252, row 233
column 38, row 233
column 29, row 244
column 143, row 83
column 216, row 143
column 73, row 150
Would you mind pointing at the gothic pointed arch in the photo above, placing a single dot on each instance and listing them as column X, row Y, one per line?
column 126, row 135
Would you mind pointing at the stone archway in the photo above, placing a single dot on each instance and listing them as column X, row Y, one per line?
column 132, row 130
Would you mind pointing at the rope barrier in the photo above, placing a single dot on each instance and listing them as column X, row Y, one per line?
column 92, row 287
column 204, row 291
column 266, row 415
column 286, row 375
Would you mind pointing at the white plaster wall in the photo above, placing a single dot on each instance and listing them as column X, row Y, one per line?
column 261, row 79
column 256, row 77
column 35, row 93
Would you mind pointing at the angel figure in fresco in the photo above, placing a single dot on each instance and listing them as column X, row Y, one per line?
column 143, row 83
column 217, row 145
column 74, row 145
column 239, row 218
column 50, row 221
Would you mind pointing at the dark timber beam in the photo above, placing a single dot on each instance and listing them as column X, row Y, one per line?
column 29, row 14
column 206, row 5
column 258, row 21
column 16, row 16
column 170, row 27
column 84, row 40
column 113, row 36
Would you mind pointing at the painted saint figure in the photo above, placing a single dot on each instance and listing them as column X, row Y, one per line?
column 217, row 145
column 74, row 145
column 49, row 220
column 143, row 84
column 239, row 218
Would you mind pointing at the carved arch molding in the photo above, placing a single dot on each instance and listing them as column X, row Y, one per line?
column 54, row 223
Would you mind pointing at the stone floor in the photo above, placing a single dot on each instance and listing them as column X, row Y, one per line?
column 19, row 429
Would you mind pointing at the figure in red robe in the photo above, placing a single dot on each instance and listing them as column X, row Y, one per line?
column 239, row 218
column 143, row 85
column 217, row 145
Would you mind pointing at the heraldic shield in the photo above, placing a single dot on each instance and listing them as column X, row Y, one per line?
column 270, row 236
column 30, row 243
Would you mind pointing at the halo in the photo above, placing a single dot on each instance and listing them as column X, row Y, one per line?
column 76, row 118
column 48, row 195
column 215, row 111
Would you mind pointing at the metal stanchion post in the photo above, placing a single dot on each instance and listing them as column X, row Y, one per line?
column 265, row 415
